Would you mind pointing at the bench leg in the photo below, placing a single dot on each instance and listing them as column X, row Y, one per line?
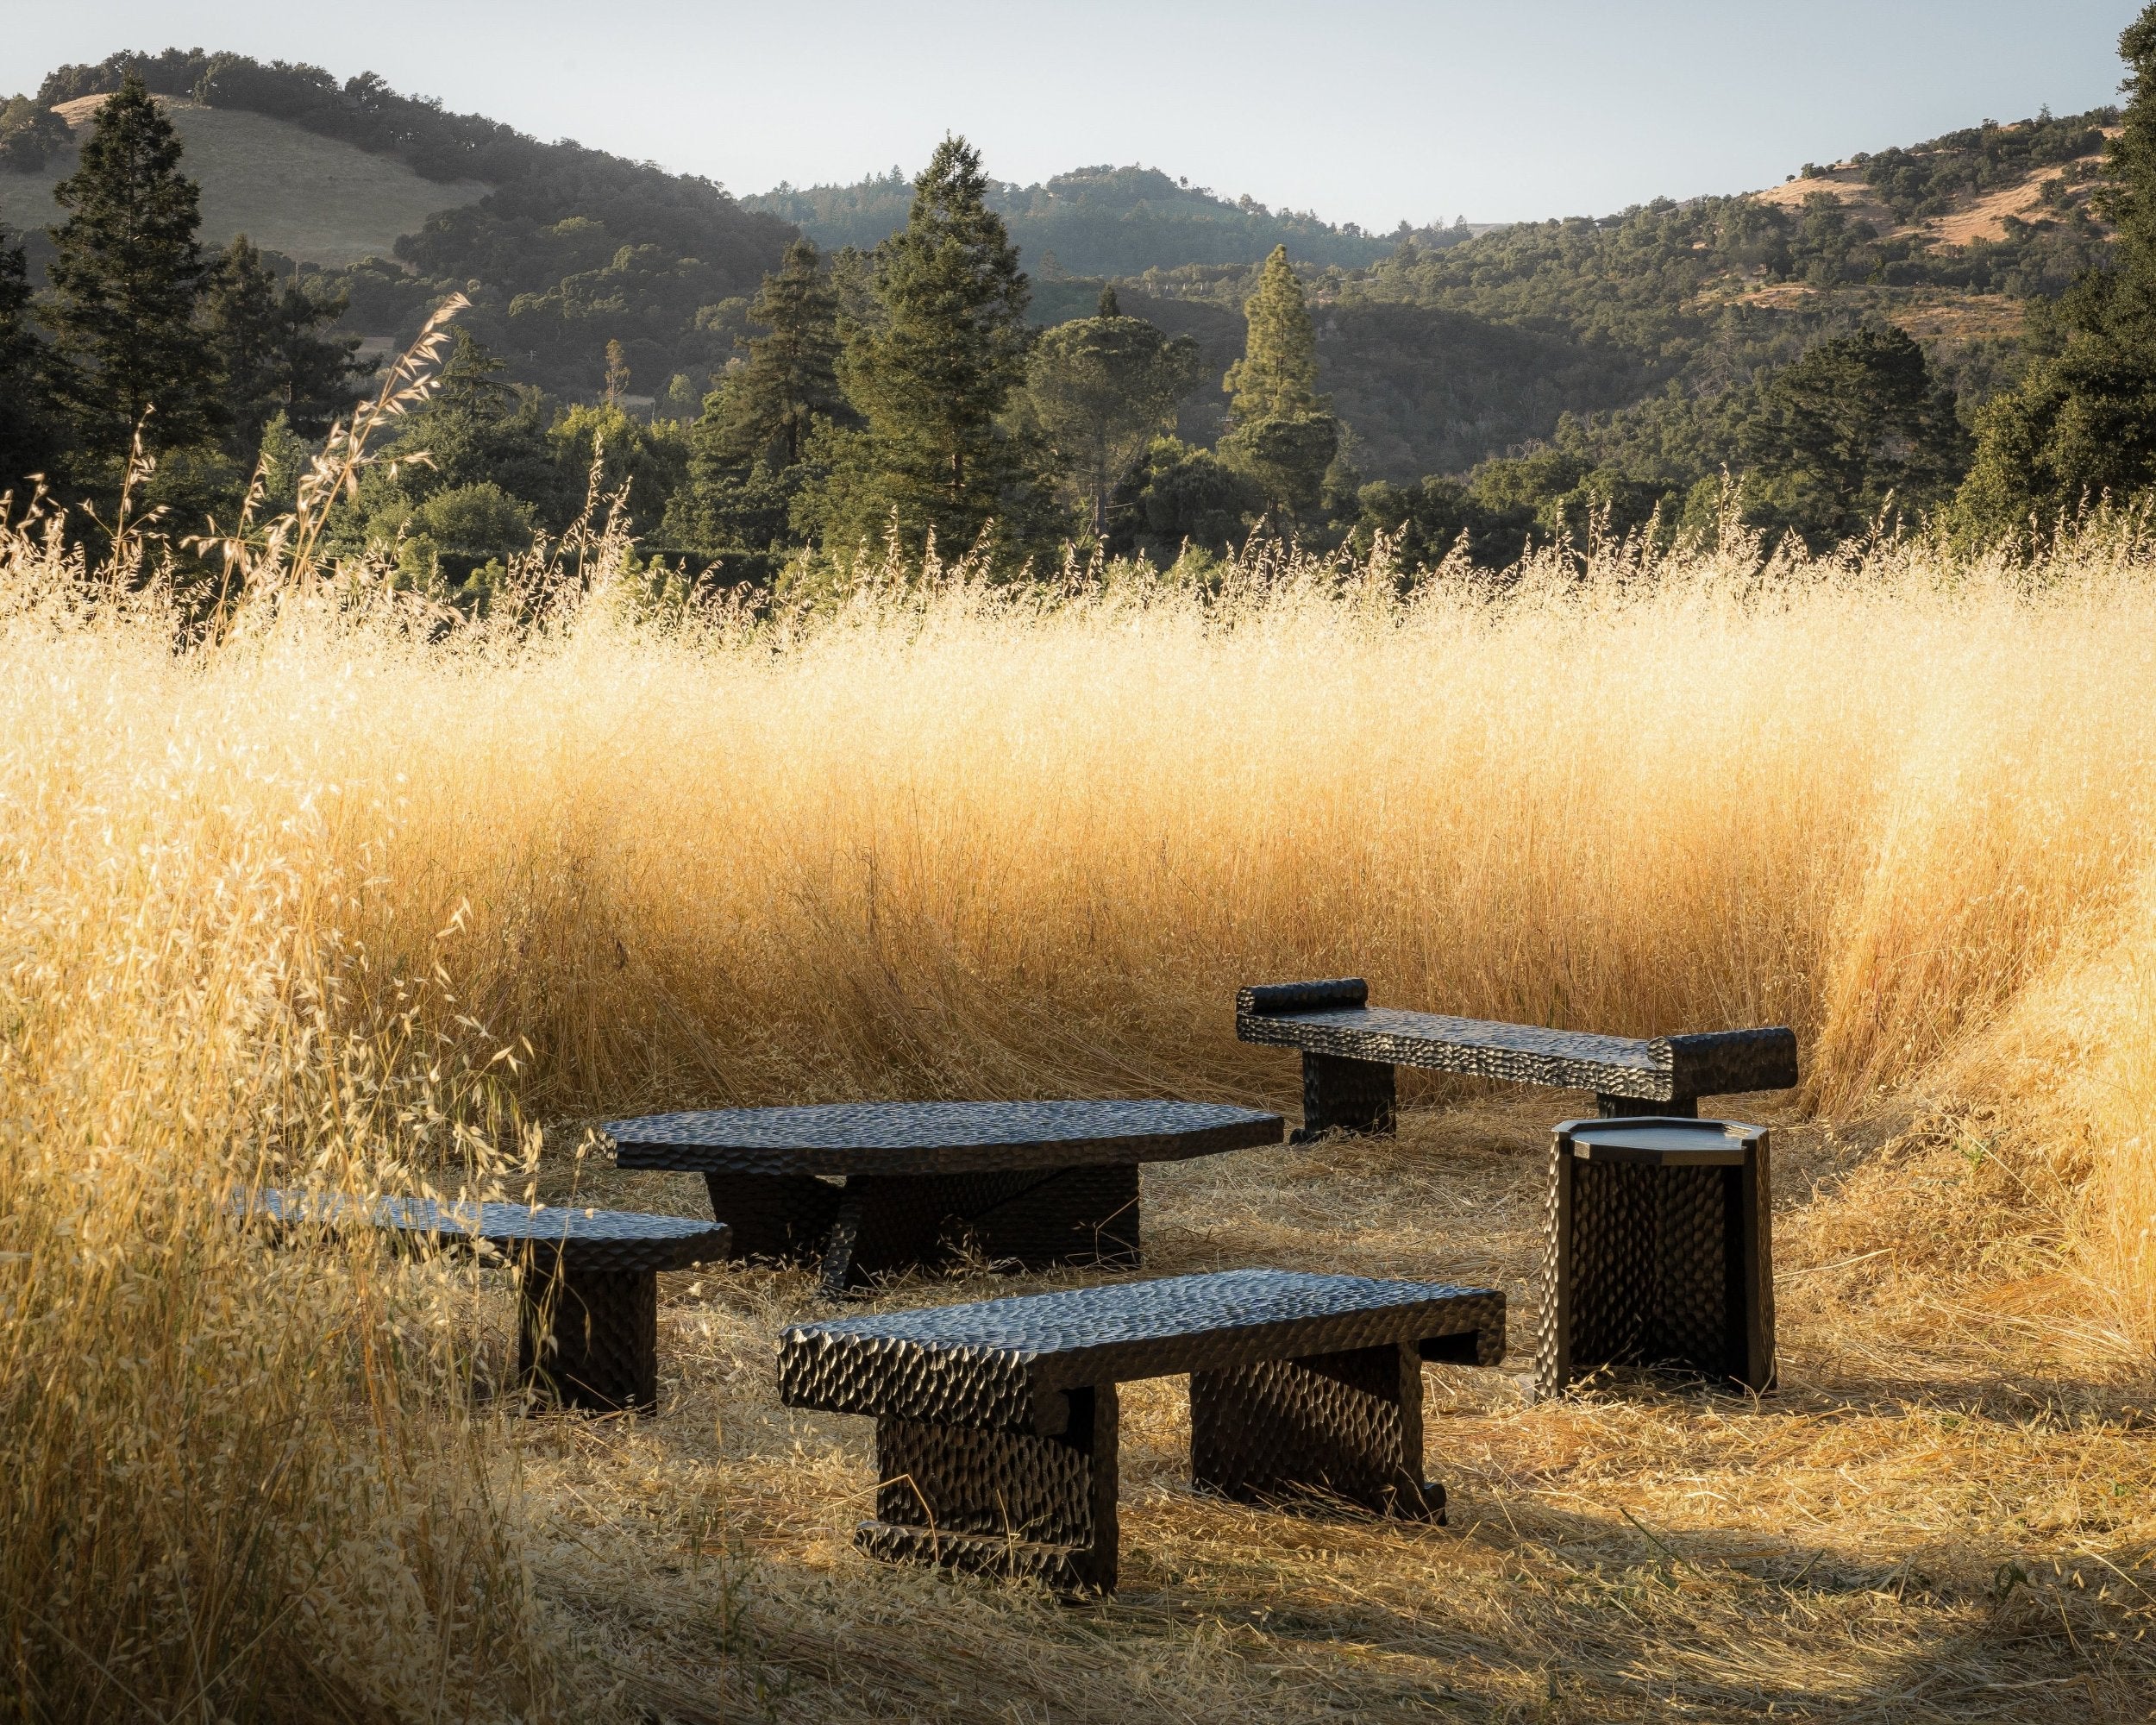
column 1001, row 1503
column 782, row 1216
column 1339, row 1094
column 1343, row 1425
column 589, row 1339
column 1631, row 1108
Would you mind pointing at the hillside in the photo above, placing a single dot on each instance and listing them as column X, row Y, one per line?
column 1092, row 220
column 562, row 247
column 314, row 199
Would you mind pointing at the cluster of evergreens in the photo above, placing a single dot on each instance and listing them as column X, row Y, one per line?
column 141, row 341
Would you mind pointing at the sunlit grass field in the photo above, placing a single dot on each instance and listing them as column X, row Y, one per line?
column 350, row 894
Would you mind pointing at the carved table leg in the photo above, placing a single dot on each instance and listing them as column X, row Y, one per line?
column 1084, row 1215
column 1001, row 1503
column 1345, row 1425
column 887, row 1223
column 782, row 1216
column 1339, row 1094
column 589, row 1339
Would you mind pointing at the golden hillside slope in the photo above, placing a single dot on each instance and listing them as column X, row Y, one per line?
column 289, row 190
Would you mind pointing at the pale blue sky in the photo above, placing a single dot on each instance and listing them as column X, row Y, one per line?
column 1361, row 109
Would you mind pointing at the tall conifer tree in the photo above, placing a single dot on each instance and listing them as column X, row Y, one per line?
column 1277, row 376
column 125, row 286
column 269, row 359
column 931, row 377
column 792, row 377
column 26, row 431
column 1282, row 438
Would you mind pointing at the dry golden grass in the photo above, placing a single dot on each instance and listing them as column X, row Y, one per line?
column 331, row 894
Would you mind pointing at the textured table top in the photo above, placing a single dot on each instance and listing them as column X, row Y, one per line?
column 1006, row 1362
column 1660, row 1143
column 935, row 1137
column 1334, row 1018
column 591, row 1239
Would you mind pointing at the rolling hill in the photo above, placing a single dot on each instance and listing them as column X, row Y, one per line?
column 312, row 198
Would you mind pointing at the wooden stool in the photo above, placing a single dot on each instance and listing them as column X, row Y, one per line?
column 1658, row 1252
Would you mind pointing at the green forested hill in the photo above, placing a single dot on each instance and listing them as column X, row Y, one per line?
column 1093, row 220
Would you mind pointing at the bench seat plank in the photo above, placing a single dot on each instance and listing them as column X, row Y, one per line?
column 935, row 1137
column 589, row 1238
column 1006, row 1364
column 1332, row 1018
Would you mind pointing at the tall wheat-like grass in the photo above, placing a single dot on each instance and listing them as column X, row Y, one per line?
column 281, row 901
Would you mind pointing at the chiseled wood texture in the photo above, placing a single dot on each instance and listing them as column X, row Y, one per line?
column 1333, row 1023
column 996, row 1423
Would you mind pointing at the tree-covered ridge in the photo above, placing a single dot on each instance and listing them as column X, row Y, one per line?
column 1092, row 220
column 1926, row 179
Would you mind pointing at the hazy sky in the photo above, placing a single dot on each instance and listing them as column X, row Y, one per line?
column 1369, row 110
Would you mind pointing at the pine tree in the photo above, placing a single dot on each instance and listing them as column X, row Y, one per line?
column 26, row 429
column 931, row 379
column 126, row 284
column 1277, row 376
column 1282, row 438
column 2081, row 424
column 270, row 361
column 1104, row 387
column 792, row 377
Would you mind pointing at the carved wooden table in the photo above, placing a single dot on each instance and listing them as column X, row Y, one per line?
column 996, row 1430
column 878, row 1187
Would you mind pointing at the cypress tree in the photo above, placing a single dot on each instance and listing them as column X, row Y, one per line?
column 125, row 286
column 1282, row 438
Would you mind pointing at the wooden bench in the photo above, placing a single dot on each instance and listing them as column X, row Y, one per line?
column 1350, row 1049
column 587, row 1320
column 996, row 1422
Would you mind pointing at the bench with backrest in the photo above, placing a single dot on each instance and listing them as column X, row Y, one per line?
column 996, row 1422
column 588, row 1325
column 1351, row 1047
